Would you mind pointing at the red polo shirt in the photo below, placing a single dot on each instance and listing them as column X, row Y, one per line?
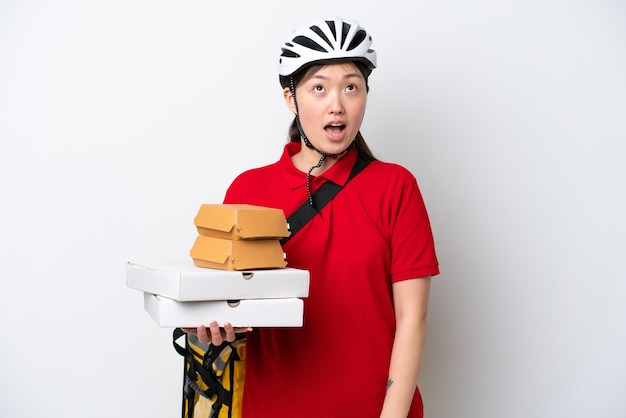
column 373, row 233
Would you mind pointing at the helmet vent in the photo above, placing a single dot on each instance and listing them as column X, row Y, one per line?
column 322, row 35
column 344, row 32
column 309, row 43
column 356, row 41
column 288, row 53
column 331, row 25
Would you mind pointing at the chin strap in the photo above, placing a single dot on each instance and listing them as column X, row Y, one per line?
column 308, row 143
column 308, row 179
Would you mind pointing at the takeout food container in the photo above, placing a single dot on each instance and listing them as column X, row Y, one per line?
column 169, row 313
column 225, row 254
column 183, row 281
column 241, row 222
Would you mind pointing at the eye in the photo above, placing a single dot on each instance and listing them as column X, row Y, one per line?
column 318, row 88
column 351, row 87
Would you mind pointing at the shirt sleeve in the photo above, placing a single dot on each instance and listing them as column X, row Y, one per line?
column 412, row 244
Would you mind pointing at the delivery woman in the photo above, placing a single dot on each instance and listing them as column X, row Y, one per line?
column 370, row 250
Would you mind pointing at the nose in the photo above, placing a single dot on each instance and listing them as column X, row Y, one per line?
column 335, row 105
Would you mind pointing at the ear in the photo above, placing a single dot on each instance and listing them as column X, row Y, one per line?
column 289, row 100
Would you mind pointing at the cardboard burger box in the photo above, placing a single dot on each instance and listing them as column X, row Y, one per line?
column 239, row 237
column 183, row 281
column 241, row 222
column 225, row 254
column 169, row 313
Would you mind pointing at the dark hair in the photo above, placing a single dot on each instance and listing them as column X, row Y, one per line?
column 304, row 74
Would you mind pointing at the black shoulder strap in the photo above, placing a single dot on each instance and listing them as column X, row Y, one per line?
column 321, row 197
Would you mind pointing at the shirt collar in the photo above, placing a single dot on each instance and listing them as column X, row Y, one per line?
column 338, row 173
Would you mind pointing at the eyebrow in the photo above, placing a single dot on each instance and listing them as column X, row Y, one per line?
column 349, row 75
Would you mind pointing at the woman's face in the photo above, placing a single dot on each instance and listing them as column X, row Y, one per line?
column 331, row 105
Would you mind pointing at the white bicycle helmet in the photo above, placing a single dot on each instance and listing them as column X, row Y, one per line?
column 326, row 40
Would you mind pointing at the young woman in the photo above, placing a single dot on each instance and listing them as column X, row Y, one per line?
column 370, row 251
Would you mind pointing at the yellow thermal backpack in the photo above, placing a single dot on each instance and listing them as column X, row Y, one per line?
column 213, row 376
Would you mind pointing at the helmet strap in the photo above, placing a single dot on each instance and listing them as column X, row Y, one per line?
column 308, row 180
column 292, row 87
column 308, row 143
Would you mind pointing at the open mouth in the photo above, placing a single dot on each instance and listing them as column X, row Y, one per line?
column 335, row 128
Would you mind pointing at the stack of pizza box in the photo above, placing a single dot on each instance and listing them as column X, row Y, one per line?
column 237, row 274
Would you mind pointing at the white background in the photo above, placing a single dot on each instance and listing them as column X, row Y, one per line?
column 119, row 118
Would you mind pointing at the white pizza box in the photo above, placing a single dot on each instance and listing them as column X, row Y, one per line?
column 183, row 281
column 169, row 313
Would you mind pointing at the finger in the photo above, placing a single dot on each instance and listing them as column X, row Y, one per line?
column 216, row 333
column 229, row 331
column 203, row 335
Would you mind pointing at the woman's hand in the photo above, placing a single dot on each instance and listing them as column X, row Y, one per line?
column 214, row 334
